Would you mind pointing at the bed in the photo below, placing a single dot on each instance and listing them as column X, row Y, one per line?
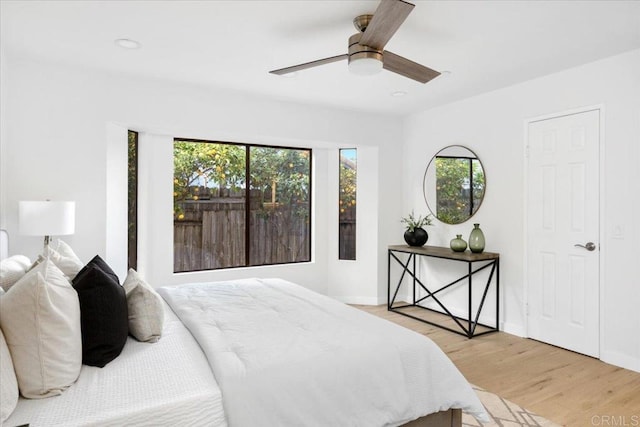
column 166, row 383
column 263, row 352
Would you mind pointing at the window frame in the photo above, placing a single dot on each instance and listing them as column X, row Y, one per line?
column 132, row 198
column 247, row 204
column 343, row 253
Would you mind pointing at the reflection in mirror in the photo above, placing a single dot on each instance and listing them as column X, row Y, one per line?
column 454, row 184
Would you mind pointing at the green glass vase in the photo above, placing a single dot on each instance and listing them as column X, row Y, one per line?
column 458, row 244
column 476, row 239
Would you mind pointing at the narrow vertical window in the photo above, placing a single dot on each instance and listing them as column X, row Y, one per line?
column 347, row 204
column 132, row 196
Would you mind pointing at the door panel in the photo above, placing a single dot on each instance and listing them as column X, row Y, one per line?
column 563, row 210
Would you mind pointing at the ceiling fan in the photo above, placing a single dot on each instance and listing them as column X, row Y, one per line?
column 366, row 54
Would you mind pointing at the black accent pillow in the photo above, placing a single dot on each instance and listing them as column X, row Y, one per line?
column 103, row 313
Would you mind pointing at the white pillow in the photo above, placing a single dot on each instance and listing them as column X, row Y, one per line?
column 8, row 382
column 64, row 258
column 146, row 310
column 40, row 318
column 12, row 269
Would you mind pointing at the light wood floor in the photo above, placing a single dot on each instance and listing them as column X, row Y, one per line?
column 565, row 387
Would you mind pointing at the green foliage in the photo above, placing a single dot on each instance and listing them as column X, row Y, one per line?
column 206, row 164
column 132, row 175
column 132, row 194
column 411, row 222
column 201, row 166
column 348, row 182
column 457, row 199
column 288, row 172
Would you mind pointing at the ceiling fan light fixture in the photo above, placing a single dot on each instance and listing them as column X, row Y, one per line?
column 365, row 65
column 363, row 60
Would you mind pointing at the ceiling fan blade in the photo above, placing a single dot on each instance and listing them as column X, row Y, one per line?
column 311, row 64
column 407, row 68
column 388, row 17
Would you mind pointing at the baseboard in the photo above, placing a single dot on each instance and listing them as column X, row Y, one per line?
column 514, row 329
column 621, row 360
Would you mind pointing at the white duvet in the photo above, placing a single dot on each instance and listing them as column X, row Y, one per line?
column 286, row 356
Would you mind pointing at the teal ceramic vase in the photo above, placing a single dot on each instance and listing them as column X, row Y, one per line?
column 458, row 244
column 476, row 239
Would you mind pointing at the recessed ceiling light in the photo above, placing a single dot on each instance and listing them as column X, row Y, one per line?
column 127, row 43
column 398, row 93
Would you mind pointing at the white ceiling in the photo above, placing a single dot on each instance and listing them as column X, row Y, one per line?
column 233, row 44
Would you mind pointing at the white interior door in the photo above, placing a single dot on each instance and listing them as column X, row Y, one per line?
column 563, row 212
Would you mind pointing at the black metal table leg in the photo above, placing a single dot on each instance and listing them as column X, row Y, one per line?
column 409, row 267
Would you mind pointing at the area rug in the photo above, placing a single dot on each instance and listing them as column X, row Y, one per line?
column 504, row 413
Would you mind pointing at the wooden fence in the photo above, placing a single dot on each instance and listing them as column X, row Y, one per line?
column 212, row 235
column 347, row 236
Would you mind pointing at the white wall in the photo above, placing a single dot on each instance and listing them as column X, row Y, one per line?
column 342, row 272
column 65, row 140
column 493, row 126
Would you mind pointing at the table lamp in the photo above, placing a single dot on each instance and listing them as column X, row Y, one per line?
column 46, row 218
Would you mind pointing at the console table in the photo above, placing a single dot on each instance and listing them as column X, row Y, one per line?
column 467, row 325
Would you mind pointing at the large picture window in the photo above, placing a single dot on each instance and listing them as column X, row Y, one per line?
column 240, row 205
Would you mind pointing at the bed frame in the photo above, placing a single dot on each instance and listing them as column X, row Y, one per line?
column 450, row 418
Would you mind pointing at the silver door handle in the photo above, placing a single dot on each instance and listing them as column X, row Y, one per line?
column 590, row 246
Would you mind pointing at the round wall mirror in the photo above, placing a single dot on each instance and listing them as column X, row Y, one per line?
column 454, row 184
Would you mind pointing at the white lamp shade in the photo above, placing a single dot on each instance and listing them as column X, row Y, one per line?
column 46, row 218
